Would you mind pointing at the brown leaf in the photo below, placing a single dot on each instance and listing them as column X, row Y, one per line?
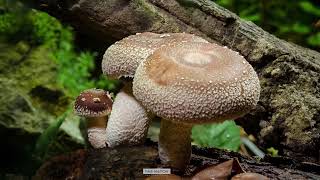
column 219, row 172
column 249, row 176
column 164, row 177
column 236, row 167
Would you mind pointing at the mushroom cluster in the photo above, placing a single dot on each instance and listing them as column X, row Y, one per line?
column 179, row 77
column 193, row 83
column 129, row 121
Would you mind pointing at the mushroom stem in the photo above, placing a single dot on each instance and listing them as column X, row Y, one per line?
column 96, row 129
column 100, row 122
column 175, row 144
column 129, row 121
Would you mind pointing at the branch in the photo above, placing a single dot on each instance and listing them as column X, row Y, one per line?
column 128, row 163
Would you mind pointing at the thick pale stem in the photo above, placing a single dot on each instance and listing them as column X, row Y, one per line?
column 97, row 131
column 128, row 122
column 175, row 144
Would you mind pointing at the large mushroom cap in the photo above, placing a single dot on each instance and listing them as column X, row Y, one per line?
column 93, row 103
column 196, row 82
column 122, row 58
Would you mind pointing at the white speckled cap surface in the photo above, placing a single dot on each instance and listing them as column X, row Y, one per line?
column 196, row 83
column 122, row 58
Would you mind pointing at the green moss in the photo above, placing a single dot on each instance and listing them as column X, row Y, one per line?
column 32, row 92
column 189, row 3
column 45, row 29
column 8, row 23
column 143, row 6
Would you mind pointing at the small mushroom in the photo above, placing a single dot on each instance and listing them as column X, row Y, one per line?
column 126, row 122
column 193, row 83
column 95, row 105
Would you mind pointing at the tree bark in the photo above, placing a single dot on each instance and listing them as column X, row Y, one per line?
column 288, row 114
column 128, row 163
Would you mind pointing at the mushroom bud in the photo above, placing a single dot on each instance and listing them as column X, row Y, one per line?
column 193, row 83
column 128, row 119
column 95, row 105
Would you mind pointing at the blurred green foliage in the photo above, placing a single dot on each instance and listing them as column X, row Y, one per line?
column 224, row 135
column 272, row 151
column 38, row 28
column 295, row 21
column 22, row 25
column 47, row 137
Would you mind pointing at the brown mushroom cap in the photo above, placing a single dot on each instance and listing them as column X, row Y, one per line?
column 122, row 58
column 93, row 103
column 196, row 83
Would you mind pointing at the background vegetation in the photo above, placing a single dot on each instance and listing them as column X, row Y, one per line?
column 295, row 21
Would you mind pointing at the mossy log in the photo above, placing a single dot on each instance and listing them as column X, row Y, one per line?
column 288, row 114
column 128, row 163
column 30, row 99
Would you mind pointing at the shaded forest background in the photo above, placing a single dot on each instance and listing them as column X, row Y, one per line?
column 74, row 66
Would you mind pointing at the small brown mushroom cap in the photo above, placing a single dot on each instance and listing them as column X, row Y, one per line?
column 93, row 103
column 122, row 58
column 196, row 83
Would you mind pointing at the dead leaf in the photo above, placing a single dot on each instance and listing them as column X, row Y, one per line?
column 164, row 177
column 249, row 176
column 219, row 172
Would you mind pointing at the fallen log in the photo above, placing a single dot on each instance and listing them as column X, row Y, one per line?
column 128, row 163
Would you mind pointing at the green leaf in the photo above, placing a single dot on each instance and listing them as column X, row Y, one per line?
column 314, row 40
column 224, row 2
column 310, row 8
column 71, row 127
column 253, row 18
column 225, row 135
column 48, row 136
column 301, row 28
column 272, row 151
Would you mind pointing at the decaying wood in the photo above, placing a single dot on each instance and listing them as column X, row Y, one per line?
column 128, row 163
column 288, row 114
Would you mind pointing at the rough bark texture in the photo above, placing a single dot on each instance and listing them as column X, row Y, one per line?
column 128, row 163
column 288, row 114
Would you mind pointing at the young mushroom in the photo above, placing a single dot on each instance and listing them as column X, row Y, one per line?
column 193, row 83
column 129, row 121
column 95, row 105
